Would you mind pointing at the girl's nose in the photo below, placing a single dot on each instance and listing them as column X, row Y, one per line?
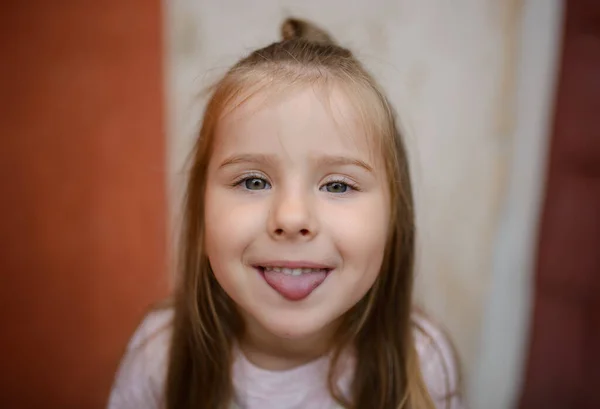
column 292, row 217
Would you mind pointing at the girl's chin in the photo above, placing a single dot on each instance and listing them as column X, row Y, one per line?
column 294, row 327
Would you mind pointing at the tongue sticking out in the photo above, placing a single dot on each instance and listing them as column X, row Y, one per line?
column 292, row 287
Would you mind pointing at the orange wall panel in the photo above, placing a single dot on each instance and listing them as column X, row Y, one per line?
column 83, row 206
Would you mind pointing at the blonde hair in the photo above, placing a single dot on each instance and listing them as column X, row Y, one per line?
column 378, row 328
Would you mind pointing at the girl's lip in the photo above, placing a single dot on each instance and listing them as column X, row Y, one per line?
column 294, row 264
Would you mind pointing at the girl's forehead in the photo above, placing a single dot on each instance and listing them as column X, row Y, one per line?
column 304, row 100
column 299, row 117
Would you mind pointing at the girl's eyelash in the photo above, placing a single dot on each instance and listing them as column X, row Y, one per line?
column 245, row 177
column 353, row 185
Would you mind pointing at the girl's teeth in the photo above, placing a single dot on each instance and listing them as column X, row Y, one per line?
column 293, row 271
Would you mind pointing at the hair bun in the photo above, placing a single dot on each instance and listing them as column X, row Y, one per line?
column 293, row 28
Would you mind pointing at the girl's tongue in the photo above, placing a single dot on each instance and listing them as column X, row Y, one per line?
column 294, row 286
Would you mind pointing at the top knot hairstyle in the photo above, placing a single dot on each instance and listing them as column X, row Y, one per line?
column 294, row 29
column 378, row 328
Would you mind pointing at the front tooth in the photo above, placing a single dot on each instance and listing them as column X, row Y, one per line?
column 277, row 269
column 307, row 270
column 286, row 271
column 296, row 271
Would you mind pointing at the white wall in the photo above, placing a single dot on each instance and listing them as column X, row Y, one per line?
column 454, row 71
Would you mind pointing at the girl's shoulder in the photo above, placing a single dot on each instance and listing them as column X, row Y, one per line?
column 140, row 378
column 439, row 363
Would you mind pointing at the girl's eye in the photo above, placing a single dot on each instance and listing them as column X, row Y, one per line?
column 337, row 187
column 254, row 183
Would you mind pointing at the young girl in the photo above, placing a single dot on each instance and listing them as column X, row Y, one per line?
column 298, row 251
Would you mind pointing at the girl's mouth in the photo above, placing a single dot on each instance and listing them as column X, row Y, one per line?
column 294, row 283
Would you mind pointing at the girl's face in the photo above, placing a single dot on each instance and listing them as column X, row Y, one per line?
column 297, row 212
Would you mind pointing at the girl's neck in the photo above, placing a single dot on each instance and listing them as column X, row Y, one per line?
column 271, row 352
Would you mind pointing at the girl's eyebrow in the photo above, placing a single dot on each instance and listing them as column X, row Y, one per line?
column 329, row 160
column 256, row 158
column 326, row 160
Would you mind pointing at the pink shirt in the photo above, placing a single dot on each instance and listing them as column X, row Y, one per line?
column 139, row 382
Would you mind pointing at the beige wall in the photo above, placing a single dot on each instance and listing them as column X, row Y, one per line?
column 451, row 69
column 499, row 365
